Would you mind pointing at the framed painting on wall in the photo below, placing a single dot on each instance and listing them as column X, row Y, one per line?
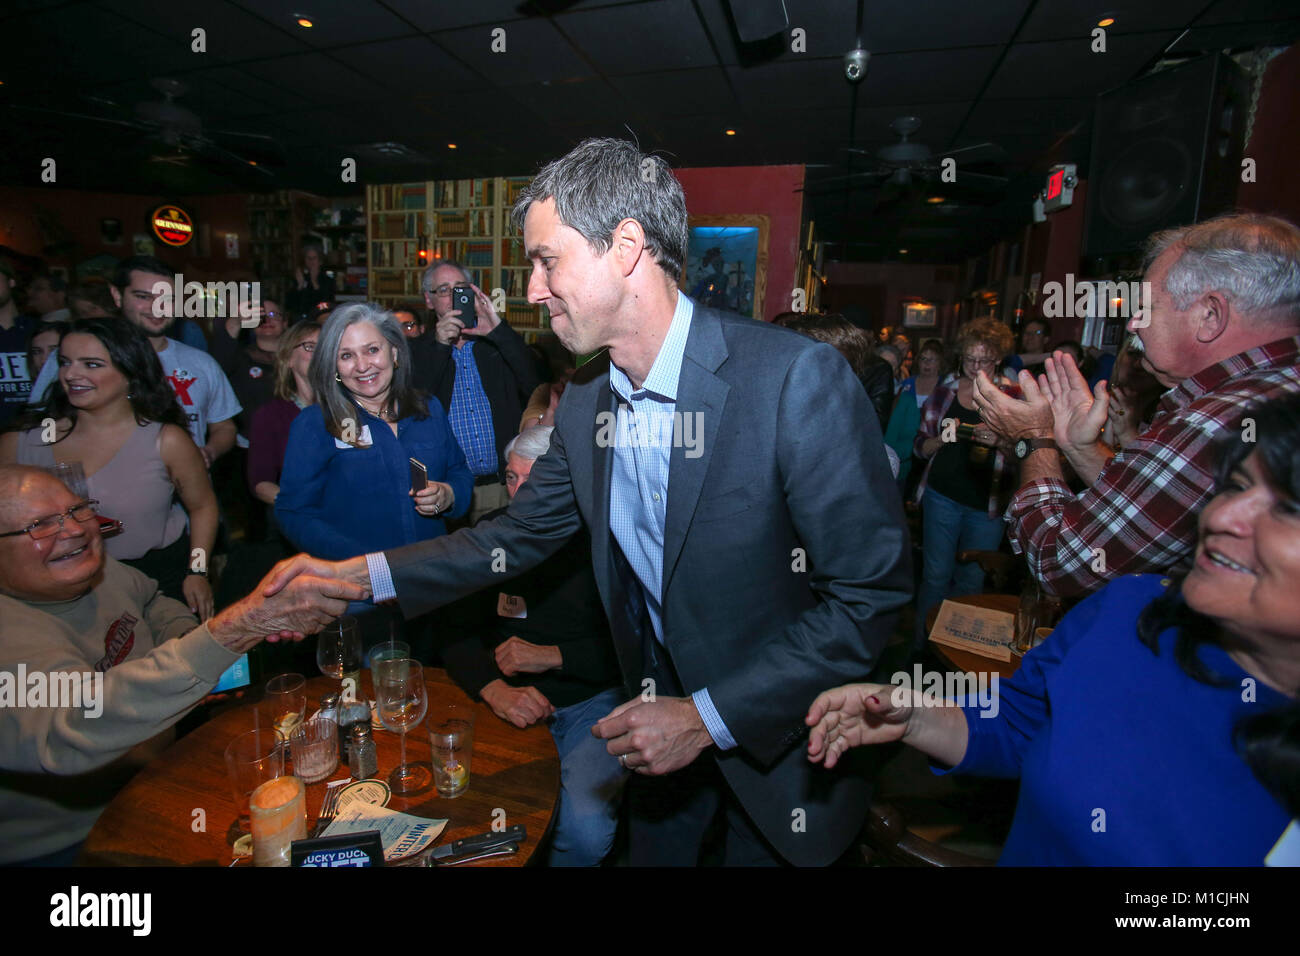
column 726, row 263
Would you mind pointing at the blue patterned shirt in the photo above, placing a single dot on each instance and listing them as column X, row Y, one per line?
column 470, row 414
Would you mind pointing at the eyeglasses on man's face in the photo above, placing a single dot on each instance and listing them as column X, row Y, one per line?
column 409, row 326
column 51, row 525
column 443, row 291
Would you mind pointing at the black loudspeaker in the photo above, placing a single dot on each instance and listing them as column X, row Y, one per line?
column 1166, row 151
column 758, row 19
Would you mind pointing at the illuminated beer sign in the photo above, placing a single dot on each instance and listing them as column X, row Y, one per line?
column 172, row 225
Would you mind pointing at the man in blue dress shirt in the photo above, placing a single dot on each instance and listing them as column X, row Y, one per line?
column 747, row 540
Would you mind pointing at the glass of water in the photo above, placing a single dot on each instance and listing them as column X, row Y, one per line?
column 451, row 741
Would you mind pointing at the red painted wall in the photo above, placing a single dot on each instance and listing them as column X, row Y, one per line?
column 755, row 190
column 76, row 215
column 1275, row 142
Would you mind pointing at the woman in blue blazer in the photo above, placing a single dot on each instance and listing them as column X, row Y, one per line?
column 346, row 485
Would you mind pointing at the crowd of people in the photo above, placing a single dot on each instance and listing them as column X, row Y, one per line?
column 754, row 592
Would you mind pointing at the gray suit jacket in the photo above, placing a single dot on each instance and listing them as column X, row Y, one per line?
column 785, row 557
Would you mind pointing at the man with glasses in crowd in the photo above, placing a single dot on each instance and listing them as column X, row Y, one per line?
column 120, row 663
column 482, row 374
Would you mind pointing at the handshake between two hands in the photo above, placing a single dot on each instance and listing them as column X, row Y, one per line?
column 298, row 597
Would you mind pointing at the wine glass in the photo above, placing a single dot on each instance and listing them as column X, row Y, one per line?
column 403, row 701
column 286, row 698
column 338, row 655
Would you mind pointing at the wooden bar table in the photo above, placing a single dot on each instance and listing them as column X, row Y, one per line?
column 960, row 660
column 156, row 819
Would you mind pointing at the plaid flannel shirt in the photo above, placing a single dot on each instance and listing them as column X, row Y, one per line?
column 932, row 415
column 1140, row 514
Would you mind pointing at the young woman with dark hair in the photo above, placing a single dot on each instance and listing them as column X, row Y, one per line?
column 113, row 412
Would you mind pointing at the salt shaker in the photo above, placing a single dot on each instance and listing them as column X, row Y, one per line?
column 363, row 758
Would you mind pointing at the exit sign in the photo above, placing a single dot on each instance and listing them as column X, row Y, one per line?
column 1059, row 191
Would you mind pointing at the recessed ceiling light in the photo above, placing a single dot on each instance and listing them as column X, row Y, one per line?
column 902, row 252
column 304, row 20
column 252, row 162
column 730, row 132
column 935, row 199
column 1105, row 21
column 451, row 145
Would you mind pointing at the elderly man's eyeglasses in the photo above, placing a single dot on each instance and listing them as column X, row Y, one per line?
column 443, row 290
column 51, row 525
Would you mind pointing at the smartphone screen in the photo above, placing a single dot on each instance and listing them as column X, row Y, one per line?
column 419, row 475
column 237, row 675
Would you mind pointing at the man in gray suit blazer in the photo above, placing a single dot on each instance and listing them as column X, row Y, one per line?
column 747, row 536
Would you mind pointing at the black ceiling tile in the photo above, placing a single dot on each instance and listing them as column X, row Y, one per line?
column 931, row 77
column 938, row 24
column 430, row 16
column 533, row 52
column 319, row 77
column 640, row 37
column 334, row 22
column 790, row 84
column 231, row 33
column 1235, row 11
column 1069, row 68
column 677, row 91
column 413, row 63
column 1237, row 36
column 270, row 96
column 1064, row 19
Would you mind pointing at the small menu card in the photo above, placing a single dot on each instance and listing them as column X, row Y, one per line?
column 979, row 630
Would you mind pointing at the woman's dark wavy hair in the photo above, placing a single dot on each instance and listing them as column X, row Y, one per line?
column 129, row 351
column 1269, row 742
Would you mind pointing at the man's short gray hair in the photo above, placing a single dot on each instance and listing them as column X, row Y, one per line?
column 600, row 183
column 426, row 280
column 531, row 443
column 1253, row 258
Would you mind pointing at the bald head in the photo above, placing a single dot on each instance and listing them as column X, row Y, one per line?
column 16, row 483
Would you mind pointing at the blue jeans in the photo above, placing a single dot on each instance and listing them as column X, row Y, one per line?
column 591, row 783
column 950, row 527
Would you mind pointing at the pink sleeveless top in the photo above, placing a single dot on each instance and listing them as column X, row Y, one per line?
column 133, row 488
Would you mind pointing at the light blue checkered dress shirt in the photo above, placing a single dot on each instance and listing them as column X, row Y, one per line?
column 638, row 493
column 470, row 414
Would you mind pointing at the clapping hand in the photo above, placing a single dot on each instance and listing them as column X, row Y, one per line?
column 1014, row 418
column 1079, row 412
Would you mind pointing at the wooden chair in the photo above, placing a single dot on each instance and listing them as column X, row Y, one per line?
column 885, row 839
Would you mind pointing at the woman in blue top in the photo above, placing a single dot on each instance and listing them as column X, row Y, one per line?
column 346, row 486
column 1159, row 725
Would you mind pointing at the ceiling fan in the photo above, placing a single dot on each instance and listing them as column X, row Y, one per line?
column 909, row 162
column 173, row 133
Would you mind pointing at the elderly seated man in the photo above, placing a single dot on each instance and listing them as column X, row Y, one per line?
column 96, row 665
column 539, row 648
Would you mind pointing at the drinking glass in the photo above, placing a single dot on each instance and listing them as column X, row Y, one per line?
column 286, row 699
column 403, row 700
column 252, row 758
column 451, row 741
column 338, row 654
column 315, row 747
column 278, row 811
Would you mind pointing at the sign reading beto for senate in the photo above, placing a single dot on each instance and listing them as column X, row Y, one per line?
column 172, row 225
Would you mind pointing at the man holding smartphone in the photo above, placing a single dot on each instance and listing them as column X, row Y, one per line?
column 479, row 368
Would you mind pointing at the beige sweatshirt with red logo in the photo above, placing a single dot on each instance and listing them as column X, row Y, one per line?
column 61, row 765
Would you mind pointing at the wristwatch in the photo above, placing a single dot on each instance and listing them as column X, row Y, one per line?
column 1027, row 445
